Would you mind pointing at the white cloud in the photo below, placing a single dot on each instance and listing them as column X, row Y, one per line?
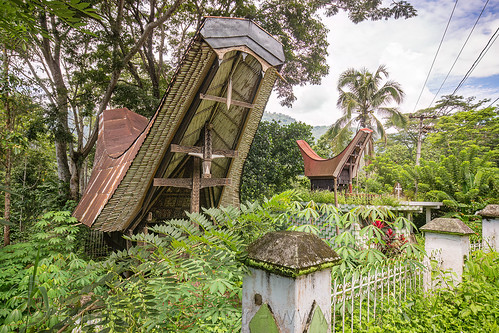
column 407, row 48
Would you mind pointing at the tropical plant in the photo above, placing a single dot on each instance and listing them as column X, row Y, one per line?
column 366, row 235
column 469, row 307
column 465, row 181
column 365, row 96
column 37, row 276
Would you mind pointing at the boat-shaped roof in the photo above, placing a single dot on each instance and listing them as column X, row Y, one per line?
column 225, row 80
column 316, row 166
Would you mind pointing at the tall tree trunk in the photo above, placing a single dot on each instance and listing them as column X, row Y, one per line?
column 51, row 55
column 7, row 182
column 8, row 153
column 74, row 183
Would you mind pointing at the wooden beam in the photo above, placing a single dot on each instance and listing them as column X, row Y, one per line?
column 199, row 150
column 225, row 152
column 210, row 182
column 225, row 101
column 185, row 149
column 174, row 182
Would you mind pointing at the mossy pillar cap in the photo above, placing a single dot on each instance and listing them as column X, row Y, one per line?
column 447, row 226
column 489, row 211
column 291, row 253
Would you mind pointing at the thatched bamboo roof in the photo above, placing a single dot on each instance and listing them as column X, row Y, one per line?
column 225, row 79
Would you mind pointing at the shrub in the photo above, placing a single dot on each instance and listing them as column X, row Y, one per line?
column 469, row 307
column 37, row 276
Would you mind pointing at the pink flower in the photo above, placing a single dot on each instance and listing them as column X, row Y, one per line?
column 389, row 232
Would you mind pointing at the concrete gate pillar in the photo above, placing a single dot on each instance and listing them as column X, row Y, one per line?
column 449, row 237
column 490, row 227
column 289, row 289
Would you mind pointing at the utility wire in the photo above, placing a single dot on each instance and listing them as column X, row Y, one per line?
column 436, row 54
column 459, row 54
column 478, row 59
column 497, row 99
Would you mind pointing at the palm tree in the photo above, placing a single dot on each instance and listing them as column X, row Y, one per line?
column 365, row 97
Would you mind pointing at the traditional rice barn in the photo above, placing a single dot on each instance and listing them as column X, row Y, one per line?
column 190, row 154
column 329, row 174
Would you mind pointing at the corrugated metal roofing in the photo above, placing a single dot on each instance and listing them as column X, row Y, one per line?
column 118, row 142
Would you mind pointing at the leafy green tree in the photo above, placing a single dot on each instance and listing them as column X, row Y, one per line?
column 425, row 123
column 464, row 181
column 17, row 21
column 274, row 160
column 365, row 96
column 478, row 127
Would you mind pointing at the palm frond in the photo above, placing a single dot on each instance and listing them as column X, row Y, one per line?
column 396, row 117
column 348, row 102
column 339, row 132
column 335, row 129
column 380, row 129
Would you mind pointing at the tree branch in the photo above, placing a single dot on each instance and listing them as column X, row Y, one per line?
column 117, row 72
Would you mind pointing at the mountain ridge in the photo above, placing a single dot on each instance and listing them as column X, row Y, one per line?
column 317, row 131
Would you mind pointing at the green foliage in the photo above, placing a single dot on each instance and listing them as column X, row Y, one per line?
column 463, row 182
column 468, row 128
column 469, row 307
column 274, row 160
column 37, row 275
column 17, row 20
column 368, row 237
column 459, row 164
column 186, row 274
column 354, row 199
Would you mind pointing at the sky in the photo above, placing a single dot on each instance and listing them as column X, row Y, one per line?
column 407, row 48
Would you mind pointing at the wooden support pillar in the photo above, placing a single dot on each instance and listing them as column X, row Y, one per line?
column 196, row 186
column 350, row 174
column 336, row 201
column 335, row 192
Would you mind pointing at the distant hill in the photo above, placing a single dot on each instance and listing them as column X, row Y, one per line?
column 317, row 131
column 279, row 117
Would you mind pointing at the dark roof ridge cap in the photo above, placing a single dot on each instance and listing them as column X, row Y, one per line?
column 243, row 19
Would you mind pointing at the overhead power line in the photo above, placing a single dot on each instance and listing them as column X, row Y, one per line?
column 484, row 51
column 478, row 59
column 459, row 54
column 497, row 99
column 436, row 54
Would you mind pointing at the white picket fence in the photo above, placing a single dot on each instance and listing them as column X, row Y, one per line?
column 476, row 246
column 359, row 297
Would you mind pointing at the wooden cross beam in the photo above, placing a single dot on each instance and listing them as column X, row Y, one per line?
column 228, row 101
column 206, row 154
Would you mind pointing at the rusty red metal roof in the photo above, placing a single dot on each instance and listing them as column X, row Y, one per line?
column 316, row 166
column 120, row 137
